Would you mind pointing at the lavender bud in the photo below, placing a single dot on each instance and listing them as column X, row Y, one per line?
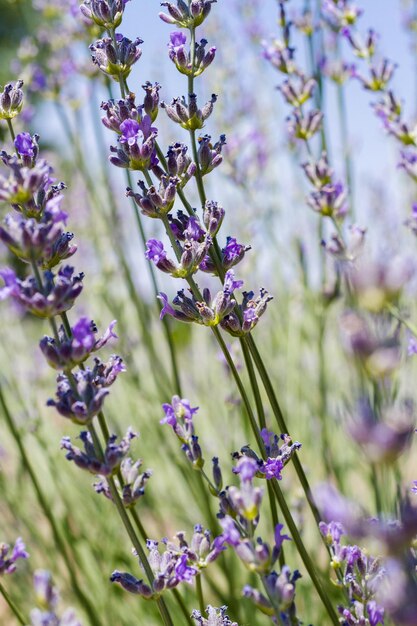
column 11, row 100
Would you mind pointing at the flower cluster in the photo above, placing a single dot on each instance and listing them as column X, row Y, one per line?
column 358, row 574
column 178, row 562
column 47, row 599
column 215, row 617
column 276, row 456
column 194, row 241
column 297, row 88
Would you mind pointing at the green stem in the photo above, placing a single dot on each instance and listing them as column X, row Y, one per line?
column 292, row 527
column 61, row 547
column 12, row 606
column 199, row 590
column 11, row 130
column 183, row 607
column 266, row 381
column 130, row 530
column 262, row 424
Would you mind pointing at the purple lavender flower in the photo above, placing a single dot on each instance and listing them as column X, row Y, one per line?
column 82, row 398
column 215, row 617
column 178, row 562
column 273, row 469
column 280, row 55
column 134, row 482
column 376, row 283
column 9, row 556
column 116, row 61
column 104, row 13
column 155, row 202
column 131, row 584
column 156, row 252
column 179, row 415
column 383, row 437
column 251, row 309
column 297, row 90
column 41, row 240
column 185, row 63
column 304, row 126
column 189, row 116
column 329, row 200
column 26, row 145
column 47, row 598
column 27, row 187
column 210, row 155
column 57, row 296
column 129, row 132
column 117, row 112
column 340, row 13
column 247, row 468
column 87, row 459
column 208, row 312
column 179, row 164
column 213, row 215
column 380, row 75
column 337, row 70
column 186, row 16
column 136, row 149
column 74, row 350
column 231, row 535
column 246, row 500
column 281, row 591
column 183, row 571
column 279, row 537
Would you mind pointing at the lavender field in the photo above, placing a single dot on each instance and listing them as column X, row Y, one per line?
column 208, row 328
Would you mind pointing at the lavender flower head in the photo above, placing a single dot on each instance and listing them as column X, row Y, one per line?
column 47, row 598
column 9, row 556
column 177, row 562
column 215, row 617
column 82, row 398
column 71, row 351
column 87, row 459
column 179, row 410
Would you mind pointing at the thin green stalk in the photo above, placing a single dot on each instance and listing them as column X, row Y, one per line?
column 59, row 542
column 183, row 607
column 12, row 606
column 292, row 527
column 376, row 489
column 11, row 130
column 266, row 381
column 262, row 424
column 130, row 530
column 326, row 449
column 200, row 596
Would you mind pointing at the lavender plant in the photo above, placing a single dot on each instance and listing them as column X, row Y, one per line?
column 245, row 562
